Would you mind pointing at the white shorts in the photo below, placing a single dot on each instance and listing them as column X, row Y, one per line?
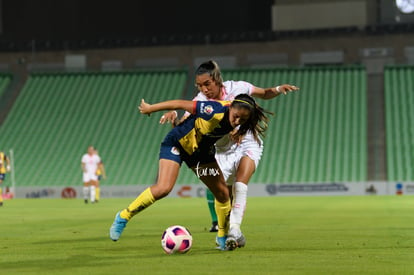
column 87, row 177
column 229, row 154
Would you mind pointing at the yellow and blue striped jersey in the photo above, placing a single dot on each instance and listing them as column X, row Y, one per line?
column 207, row 123
column 3, row 158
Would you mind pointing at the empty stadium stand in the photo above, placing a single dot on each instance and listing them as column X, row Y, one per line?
column 399, row 103
column 5, row 80
column 317, row 135
column 6, row 90
column 57, row 116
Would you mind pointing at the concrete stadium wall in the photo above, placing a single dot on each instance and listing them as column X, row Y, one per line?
column 184, row 56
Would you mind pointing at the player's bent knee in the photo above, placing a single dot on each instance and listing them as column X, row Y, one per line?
column 159, row 191
column 221, row 195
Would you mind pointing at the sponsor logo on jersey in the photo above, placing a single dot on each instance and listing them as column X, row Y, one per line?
column 175, row 151
column 207, row 109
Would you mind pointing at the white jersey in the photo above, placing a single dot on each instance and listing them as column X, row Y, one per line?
column 229, row 153
column 231, row 90
column 91, row 166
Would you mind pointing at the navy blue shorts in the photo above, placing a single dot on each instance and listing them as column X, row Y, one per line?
column 172, row 150
column 2, row 176
column 171, row 153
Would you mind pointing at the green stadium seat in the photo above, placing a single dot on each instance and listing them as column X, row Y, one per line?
column 317, row 135
column 5, row 80
column 399, row 117
column 57, row 116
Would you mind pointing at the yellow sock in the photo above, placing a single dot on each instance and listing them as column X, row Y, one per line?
column 1, row 194
column 143, row 200
column 97, row 193
column 223, row 215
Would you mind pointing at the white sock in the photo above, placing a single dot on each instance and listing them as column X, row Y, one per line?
column 85, row 192
column 93, row 193
column 239, row 205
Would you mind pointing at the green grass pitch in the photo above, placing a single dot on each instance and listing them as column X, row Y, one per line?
column 285, row 235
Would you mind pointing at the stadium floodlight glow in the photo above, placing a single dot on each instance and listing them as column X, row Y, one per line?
column 405, row 6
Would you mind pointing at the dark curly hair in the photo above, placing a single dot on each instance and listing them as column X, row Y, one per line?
column 257, row 122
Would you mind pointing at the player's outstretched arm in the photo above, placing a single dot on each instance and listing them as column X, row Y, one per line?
column 269, row 93
column 146, row 108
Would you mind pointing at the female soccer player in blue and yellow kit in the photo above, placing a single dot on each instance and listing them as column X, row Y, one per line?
column 4, row 168
column 192, row 141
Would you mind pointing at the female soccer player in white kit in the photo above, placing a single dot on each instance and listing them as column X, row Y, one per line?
column 237, row 159
column 90, row 163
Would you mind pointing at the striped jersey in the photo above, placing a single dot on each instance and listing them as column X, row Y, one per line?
column 208, row 122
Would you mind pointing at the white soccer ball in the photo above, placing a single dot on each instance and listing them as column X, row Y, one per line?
column 176, row 239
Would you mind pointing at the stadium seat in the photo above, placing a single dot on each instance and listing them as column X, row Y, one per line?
column 318, row 133
column 399, row 103
column 57, row 116
column 5, row 80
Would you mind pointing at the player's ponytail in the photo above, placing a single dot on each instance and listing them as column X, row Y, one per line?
column 257, row 122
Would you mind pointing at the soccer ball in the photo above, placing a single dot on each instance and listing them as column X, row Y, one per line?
column 176, row 239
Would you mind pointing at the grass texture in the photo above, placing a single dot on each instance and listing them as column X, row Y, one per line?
column 285, row 235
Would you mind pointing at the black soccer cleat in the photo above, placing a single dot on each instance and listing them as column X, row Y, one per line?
column 214, row 227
